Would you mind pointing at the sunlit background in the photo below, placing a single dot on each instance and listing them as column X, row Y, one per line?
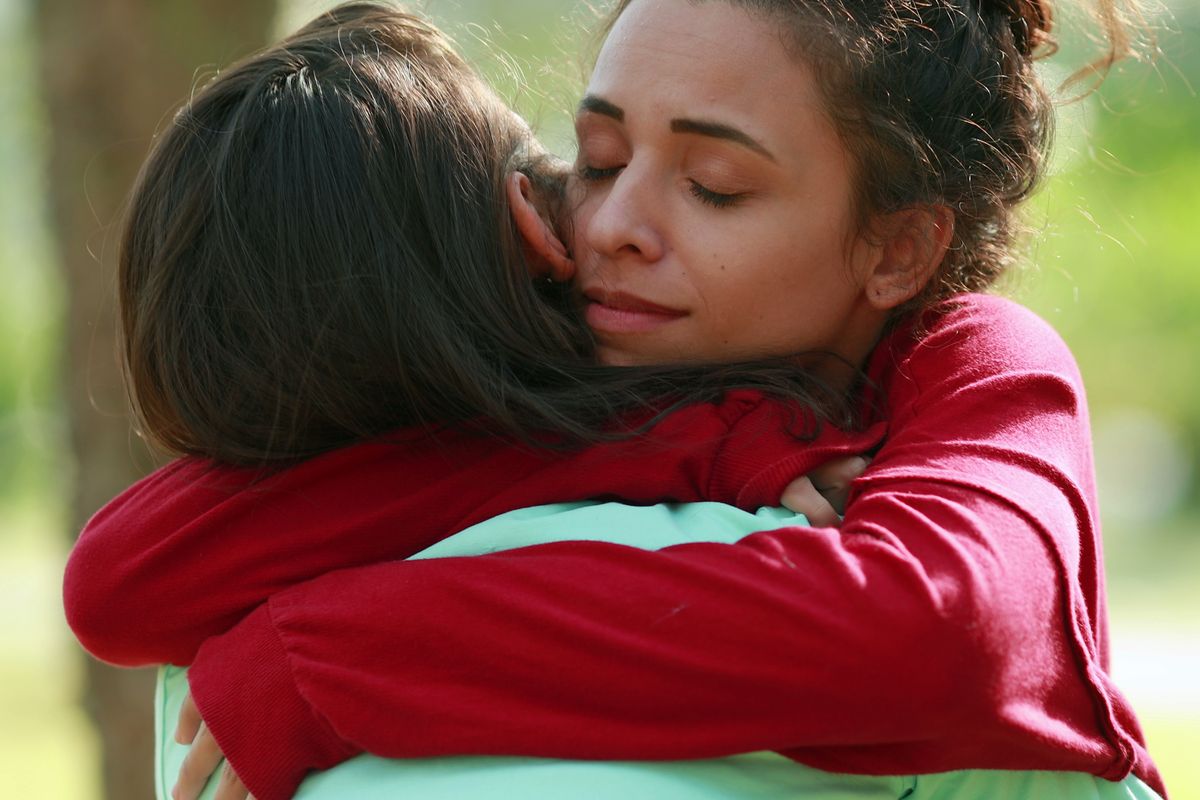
column 1114, row 265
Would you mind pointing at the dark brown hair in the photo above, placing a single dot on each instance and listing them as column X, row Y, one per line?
column 319, row 250
column 938, row 103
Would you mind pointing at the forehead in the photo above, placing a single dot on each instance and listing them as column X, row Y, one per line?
column 671, row 37
column 677, row 58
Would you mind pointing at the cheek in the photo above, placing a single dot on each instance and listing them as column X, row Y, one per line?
column 581, row 216
column 780, row 284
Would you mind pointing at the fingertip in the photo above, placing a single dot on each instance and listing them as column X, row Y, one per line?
column 846, row 471
column 823, row 520
column 797, row 492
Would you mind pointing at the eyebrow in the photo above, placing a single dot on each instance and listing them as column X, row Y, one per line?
column 598, row 105
column 718, row 130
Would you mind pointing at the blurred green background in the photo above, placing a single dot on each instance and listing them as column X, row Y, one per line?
column 1113, row 263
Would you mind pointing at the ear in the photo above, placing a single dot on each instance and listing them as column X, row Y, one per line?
column 544, row 250
column 913, row 243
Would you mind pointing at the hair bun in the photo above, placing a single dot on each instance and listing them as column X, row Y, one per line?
column 1031, row 21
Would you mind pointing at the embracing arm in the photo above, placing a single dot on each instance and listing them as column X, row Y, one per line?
column 955, row 620
column 187, row 552
column 796, row 640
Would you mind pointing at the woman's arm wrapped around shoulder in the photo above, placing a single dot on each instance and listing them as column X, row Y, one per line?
column 955, row 619
column 187, row 552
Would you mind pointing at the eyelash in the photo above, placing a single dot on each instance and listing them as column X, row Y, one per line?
column 714, row 199
column 592, row 174
column 698, row 190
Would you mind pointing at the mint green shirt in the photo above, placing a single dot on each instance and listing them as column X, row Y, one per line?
column 752, row 776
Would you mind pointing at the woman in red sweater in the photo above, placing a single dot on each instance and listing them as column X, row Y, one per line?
column 969, row 557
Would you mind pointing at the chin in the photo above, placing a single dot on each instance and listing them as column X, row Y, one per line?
column 613, row 357
column 619, row 357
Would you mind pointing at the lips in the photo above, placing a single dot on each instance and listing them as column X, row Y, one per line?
column 621, row 301
column 618, row 312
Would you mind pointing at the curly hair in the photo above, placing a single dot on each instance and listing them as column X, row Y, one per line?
column 939, row 103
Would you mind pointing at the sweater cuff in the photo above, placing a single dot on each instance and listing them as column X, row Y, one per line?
column 242, row 683
column 745, row 469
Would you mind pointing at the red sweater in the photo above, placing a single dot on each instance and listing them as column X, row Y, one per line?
column 188, row 551
column 956, row 620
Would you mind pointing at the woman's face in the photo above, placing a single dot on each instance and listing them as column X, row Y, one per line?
column 716, row 219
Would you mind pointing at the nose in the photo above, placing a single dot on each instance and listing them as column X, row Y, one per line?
column 624, row 221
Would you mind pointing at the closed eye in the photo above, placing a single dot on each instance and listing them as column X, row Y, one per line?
column 597, row 173
column 714, row 199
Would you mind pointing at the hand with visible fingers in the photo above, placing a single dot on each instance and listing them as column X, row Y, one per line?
column 204, row 758
column 821, row 494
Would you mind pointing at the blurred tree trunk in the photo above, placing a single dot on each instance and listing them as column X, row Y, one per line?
column 112, row 71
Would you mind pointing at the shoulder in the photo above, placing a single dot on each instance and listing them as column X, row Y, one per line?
column 986, row 345
column 995, row 323
column 978, row 335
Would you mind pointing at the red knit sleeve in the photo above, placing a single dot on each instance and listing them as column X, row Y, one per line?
column 954, row 621
column 187, row 552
